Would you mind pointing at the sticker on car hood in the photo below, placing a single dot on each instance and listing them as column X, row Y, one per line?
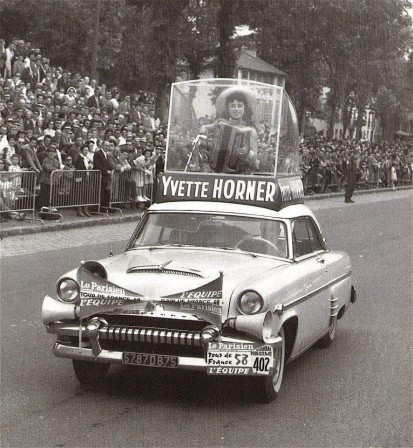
column 98, row 295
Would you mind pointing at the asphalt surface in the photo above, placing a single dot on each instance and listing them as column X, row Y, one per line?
column 357, row 393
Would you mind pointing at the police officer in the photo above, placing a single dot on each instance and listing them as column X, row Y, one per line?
column 352, row 174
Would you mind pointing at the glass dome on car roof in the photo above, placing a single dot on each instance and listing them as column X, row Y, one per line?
column 232, row 126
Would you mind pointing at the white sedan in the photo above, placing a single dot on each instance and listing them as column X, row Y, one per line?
column 228, row 289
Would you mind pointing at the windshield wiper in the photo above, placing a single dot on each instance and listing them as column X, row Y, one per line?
column 237, row 249
column 161, row 246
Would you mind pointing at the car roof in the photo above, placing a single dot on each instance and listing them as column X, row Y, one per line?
column 291, row 211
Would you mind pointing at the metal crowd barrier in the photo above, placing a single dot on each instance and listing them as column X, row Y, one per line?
column 18, row 194
column 74, row 189
column 123, row 190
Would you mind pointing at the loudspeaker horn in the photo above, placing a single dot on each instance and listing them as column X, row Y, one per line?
column 53, row 310
column 259, row 325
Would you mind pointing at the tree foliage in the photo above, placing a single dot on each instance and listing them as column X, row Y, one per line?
column 356, row 48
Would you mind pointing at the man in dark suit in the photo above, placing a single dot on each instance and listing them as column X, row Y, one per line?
column 93, row 100
column 101, row 163
column 352, row 174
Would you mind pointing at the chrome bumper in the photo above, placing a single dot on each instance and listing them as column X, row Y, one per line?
column 107, row 356
column 88, row 352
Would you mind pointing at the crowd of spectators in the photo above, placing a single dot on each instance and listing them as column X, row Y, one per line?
column 323, row 163
column 51, row 118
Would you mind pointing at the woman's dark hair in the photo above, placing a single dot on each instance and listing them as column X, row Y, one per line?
column 239, row 96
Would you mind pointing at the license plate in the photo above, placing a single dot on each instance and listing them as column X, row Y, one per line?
column 239, row 358
column 146, row 359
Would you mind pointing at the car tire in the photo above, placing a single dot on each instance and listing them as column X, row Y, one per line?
column 90, row 374
column 328, row 338
column 267, row 388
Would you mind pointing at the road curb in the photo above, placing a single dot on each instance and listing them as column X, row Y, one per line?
column 73, row 224
column 51, row 227
column 317, row 197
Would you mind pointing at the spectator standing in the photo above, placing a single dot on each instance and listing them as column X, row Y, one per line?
column 75, row 149
column 393, row 176
column 352, row 174
column 29, row 156
column 2, row 56
column 93, row 100
column 100, row 162
column 63, row 83
column 9, row 52
column 18, row 65
column 48, row 166
column 83, row 164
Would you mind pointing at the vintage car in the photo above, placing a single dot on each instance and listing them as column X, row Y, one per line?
column 227, row 273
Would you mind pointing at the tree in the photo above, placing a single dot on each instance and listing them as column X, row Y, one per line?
column 287, row 37
column 198, row 36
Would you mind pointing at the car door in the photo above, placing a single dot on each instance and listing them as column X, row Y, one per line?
column 313, row 309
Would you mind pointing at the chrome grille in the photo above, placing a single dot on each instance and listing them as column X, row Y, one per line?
column 139, row 321
column 151, row 335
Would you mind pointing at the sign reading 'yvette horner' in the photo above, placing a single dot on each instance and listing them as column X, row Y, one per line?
column 261, row 191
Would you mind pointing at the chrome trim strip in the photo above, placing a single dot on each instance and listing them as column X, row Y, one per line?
column 176, row 337
column 313, row 293
column 156, row 336
column 162, row 336
column 182, row 338
column 142, row 333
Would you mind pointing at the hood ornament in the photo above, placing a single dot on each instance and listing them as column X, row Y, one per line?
column 161, row 267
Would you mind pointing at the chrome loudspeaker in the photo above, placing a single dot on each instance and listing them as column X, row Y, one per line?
column 258, row 325
column 53, row 310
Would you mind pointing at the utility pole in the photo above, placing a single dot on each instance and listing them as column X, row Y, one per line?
column 94, row 59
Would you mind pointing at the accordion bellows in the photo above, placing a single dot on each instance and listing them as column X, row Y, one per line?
column 227, row 139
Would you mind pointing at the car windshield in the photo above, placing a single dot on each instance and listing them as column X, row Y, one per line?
column 231, row 232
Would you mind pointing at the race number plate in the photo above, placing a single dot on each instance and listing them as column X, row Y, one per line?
column 233, row 358
column 147, row 359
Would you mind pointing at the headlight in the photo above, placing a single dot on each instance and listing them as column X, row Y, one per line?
column 250, row 302
column 67, row 289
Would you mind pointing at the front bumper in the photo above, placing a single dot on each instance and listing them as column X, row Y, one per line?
column 112, row 357
column 90, row 348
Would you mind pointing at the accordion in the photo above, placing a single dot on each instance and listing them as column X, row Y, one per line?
column 227, row 139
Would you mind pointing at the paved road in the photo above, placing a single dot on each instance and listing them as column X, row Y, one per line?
column 356, row 393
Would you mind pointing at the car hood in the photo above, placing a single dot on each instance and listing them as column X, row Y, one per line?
column 162, row 272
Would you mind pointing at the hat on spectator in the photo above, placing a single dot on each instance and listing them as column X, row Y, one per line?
column 71, row 90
